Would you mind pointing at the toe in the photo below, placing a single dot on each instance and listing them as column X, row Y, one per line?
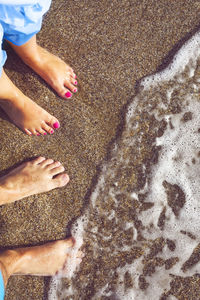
column 42, row 131
column 53, row 123
column 70, row 86
column 80, row 254
column 31, row 131
column 28, row 132
column 46, row 162
column 67, row 94
column 54, row 165
column 57, row 170
column 70, row 242
column 65, row 87
column 39, row 160
column 73, row 74
column 61, row 180
column 47, row 128
column 34, row 132
column 56, row 125
column 78, row 261
column 73, row 81
column 64, row 92
column 70, row 70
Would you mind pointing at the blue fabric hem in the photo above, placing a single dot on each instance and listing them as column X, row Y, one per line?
column 23, row 40
column 18, row 36
column 2, row 289
column 3, row 60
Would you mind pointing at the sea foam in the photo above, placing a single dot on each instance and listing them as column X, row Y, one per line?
column 141, row 229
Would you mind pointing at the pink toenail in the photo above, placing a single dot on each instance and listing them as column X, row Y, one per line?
column 56, row 125
column 45, row 133
column 38, row 134
column 75, row 90
column 75, row 82
column 75, row 76
column 68, row 95
column 52, row 131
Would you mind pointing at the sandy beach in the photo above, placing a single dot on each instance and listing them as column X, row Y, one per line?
column 111, row 45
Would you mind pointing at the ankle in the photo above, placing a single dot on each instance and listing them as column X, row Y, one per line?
column 9, row 264
column 8, row 91
column 32, row 59
column 29, row 52
column 8, row 193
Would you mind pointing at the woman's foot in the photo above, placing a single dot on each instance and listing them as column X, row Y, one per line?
column 24, row 112
column 45, row 260
column 52, row 69
column 34, row 177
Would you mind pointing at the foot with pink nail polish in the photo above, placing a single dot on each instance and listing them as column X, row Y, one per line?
column 52, row 69
column 23, row 112
column 34, row 177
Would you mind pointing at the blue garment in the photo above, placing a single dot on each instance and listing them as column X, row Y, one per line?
column 2, row 291
column 19, row 23
column 13, row 2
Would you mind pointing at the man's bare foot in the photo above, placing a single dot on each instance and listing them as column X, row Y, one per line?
column 34, row 177
column 45, row 260
column 52, row 69
column 25, row 113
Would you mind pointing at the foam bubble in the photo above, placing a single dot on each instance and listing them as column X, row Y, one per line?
column 141, row 228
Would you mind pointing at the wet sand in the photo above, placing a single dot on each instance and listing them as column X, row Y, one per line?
column 110, row 46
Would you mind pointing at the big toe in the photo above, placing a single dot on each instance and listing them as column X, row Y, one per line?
column 54, row 123
column 61, row 180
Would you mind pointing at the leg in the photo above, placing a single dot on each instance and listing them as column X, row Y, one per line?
column 45, row 260
column 51, row 68
column 34, row 177
column 25, row 113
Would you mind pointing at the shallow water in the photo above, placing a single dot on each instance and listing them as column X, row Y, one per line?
column 141, row 228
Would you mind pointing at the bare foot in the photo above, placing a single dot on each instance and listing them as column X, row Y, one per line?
column 52, row 69
column 25, row 113
column 34, row 177
column 45, row 260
